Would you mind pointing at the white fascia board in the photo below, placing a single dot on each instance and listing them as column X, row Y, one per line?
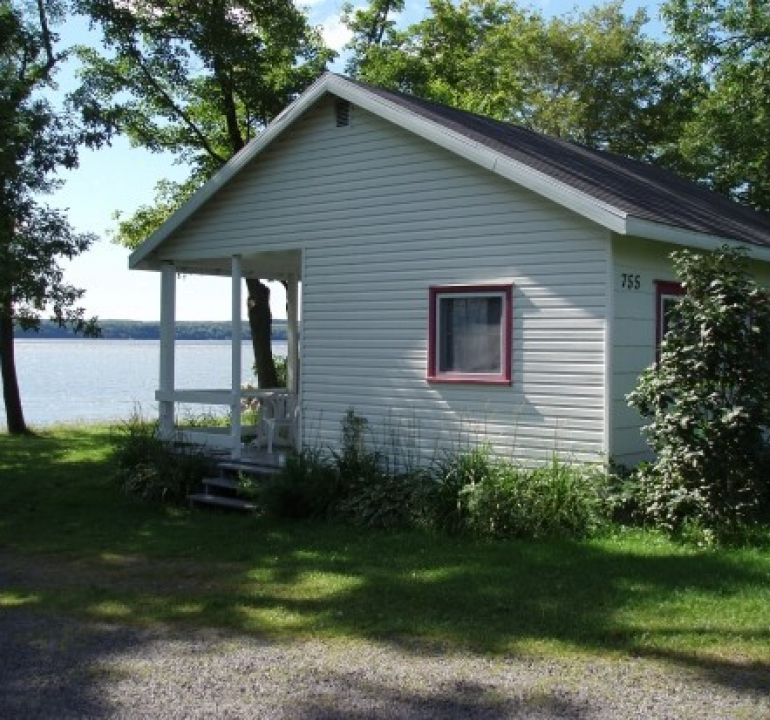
column 689, row 238
column 478, row 153
column 455, row 142
column 282, row 121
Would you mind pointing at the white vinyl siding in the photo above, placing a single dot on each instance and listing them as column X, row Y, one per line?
column 380, row 216
column 633, row 346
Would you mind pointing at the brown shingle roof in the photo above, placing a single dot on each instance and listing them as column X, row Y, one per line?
column 642, row 190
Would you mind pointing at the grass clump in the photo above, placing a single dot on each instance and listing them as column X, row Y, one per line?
column 553, row 501
column 470, row 491
column 152, row 469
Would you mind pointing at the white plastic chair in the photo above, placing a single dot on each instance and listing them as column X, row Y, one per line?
column 278, row 413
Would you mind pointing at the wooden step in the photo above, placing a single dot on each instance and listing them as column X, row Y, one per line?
column 221, row 482
column 223, row 502
column 248, row 468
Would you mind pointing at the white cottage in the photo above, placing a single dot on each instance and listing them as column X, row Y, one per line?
column 462, row 279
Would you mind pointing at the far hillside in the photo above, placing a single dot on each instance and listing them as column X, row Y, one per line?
column 140, row 330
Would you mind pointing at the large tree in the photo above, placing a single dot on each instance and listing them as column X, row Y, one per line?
column 594, row 77
column 35, row 141
column 199, row 80
column 727, row 143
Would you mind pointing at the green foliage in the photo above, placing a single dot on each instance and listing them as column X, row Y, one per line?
column 351, row 485
column 308, row 486
column 281, row 369
column 134, row 229
column 36, row 142
column 198, row 80
column 452, row 473
column 592, row 77
column 151, row 469
column 556, row 500
column 727, row 142
column 708, row 401
column 462, row 492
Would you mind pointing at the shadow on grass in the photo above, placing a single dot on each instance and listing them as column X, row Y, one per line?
column 110, row 558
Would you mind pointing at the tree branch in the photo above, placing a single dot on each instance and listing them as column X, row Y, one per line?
column 137, row 57
column 46, row 35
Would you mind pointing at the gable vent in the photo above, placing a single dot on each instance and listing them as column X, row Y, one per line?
column 342, row 113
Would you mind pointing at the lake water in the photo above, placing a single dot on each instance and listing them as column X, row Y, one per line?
column 100, row 380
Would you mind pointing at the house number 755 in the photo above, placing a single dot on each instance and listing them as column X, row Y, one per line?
column 630, row 281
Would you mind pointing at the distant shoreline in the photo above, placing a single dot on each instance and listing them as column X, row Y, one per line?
column 150, row 330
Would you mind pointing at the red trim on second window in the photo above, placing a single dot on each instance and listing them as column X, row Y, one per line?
column 502, row 378
column 662, row 289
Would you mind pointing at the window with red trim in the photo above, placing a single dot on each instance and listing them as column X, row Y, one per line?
column 667, row 295
column 469, row 334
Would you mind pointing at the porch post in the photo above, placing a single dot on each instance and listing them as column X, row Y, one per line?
column 167, row 336
column 235, row 400
column 292, row 334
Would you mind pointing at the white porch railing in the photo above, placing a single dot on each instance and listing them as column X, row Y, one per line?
column 280, row 406
column 278, row 410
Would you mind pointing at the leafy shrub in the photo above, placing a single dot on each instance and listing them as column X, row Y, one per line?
column 152, row 469
column 376, row 495
column 381, row 500
column 466, row 491
column 623, row 495
column 708, row 402
column 558, row 500
column 451, row 474
column 309, row 486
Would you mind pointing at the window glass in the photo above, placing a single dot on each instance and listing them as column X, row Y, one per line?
column 470, row 334
column 667, row 304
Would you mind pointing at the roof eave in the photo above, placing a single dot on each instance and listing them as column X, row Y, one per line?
column 476, row 152
column 650, row 230
column 585, row 205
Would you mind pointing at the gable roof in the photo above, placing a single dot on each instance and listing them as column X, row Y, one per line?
column 626, row 196
column 640, row 189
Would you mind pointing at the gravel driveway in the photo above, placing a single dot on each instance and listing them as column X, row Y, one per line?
column 56, row 667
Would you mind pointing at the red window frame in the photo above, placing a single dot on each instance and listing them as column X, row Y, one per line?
column 501, row 378
column 663, row 288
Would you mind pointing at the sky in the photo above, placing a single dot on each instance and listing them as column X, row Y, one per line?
column 120, row 178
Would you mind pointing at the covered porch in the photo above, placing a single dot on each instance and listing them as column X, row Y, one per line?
column 278, row 426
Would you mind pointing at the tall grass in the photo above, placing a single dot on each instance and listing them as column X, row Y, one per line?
column 468, row 491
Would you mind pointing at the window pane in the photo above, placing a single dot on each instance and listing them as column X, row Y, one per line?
column 667, row 304
column 470, row 332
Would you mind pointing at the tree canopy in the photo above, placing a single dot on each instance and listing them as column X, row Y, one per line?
column 727, row 141
column 35, row 142
column 592, row 77
column 198, row 80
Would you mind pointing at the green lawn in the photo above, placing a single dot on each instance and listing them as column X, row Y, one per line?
column 71, row 542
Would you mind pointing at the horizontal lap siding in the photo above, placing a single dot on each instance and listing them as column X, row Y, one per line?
column 633, row 345
column 381, row 215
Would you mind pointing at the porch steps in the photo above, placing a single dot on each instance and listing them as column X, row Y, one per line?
column 224, row 490
column 222, row 502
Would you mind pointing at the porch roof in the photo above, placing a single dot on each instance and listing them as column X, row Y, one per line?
column 262, row 265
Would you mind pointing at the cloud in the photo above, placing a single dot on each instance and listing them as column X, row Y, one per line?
column 335, row 34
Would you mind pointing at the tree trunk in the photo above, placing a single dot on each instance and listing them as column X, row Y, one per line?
column 260, row 322
column 13, row 410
